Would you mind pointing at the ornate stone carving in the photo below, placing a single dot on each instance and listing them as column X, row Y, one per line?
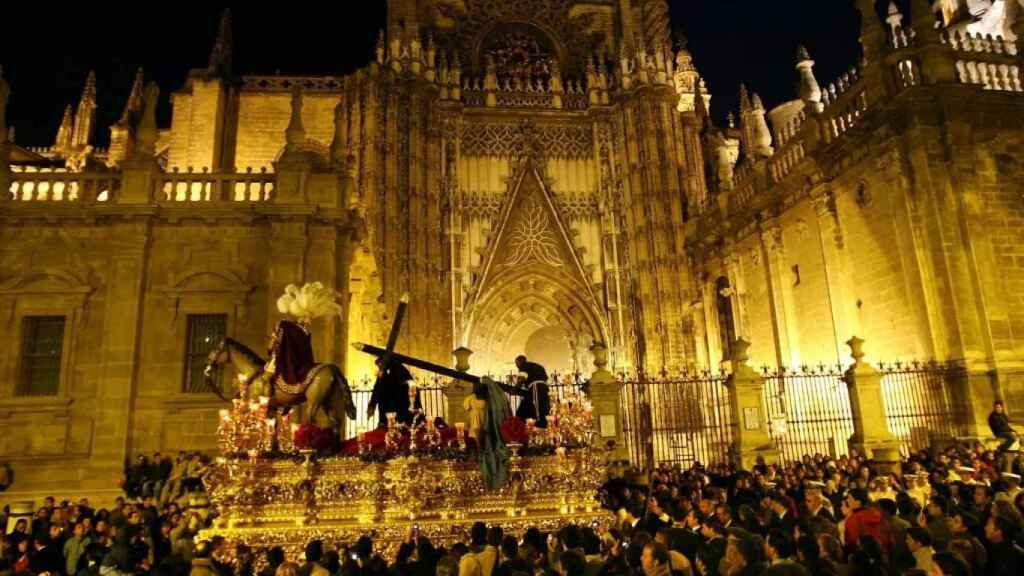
column 507, row 139
column 572, row 32
column 518, row 54
column 532, row 238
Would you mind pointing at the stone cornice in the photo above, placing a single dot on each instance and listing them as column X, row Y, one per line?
column 16, row 213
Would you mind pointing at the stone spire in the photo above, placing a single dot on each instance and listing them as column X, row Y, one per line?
column 762, row 136
column 894, row 17
column 135, row 101
column 222, row 54
column 295, row 134
column 686, row 78
column 65, row 132
column 872, row 35
column 146, row 135
column 699, row 105
column 5, row 93
column 85, row 118
column 745, row 104
column 810, row 91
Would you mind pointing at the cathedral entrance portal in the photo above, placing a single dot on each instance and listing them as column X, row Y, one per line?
column 533, row 296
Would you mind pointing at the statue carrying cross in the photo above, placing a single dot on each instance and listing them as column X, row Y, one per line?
column 394, row 391
column 493, row 454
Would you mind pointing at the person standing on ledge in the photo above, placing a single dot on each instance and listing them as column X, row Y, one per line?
column 533, row 389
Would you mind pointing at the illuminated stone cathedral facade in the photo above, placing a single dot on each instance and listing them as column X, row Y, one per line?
column 538, row 175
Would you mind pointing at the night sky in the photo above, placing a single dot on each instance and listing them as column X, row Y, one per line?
column 47, row 57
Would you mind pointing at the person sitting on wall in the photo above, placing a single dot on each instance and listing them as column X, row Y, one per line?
column 999, row 423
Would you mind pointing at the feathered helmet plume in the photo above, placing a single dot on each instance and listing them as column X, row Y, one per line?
column 312, row 300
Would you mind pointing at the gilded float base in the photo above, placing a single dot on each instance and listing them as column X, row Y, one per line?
column 288, row 502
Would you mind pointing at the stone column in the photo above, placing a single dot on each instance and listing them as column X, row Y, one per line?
column 871, row 435
column 117, row 381
column 780, row 293
column 746, row 402
column 606, row 397
column 973, row 387
column 458, row 390
column 841, row 296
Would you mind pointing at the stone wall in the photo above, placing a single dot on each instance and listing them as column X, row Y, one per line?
column 126, row 280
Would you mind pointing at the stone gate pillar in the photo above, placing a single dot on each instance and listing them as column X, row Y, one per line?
column 871, row 435
column 746, row 402
column 606, row 397
column 458, row 390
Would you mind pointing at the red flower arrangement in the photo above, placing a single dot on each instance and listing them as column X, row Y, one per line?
column 513, row 430
column 312, row 437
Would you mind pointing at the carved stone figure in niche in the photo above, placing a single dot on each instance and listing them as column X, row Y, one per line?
column 519, row 52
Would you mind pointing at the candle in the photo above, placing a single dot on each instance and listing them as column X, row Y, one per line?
column 225, row 415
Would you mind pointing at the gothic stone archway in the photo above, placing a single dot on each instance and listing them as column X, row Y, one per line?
column 532, row 291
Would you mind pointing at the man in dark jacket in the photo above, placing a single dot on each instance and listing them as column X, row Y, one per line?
column 510, row 560
column 533, row 389
column 48, row 556
column 999, row 423
column 1004, row 557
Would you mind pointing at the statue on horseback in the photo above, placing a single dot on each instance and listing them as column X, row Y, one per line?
column 291, row 377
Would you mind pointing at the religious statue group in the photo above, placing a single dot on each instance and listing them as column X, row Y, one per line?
column 292, row 377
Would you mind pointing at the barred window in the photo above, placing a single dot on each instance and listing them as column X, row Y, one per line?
column 41, row 352
column 205, row 331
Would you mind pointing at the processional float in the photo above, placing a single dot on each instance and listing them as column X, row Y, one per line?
column 278, row 495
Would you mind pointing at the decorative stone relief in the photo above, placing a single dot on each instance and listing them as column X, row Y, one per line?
column 532, row 238
column 508, row 140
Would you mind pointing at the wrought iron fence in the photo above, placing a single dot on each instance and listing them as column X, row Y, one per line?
column 808, row 410
column 432, row 398
column 687, row 418
column 677, row 420
column 918, row 404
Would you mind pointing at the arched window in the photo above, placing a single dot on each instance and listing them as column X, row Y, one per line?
column 726, row 323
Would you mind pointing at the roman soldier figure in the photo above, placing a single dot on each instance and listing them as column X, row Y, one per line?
column 291, row 356
column 291, row 346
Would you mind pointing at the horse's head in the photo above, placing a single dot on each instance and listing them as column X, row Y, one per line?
column 246, row 363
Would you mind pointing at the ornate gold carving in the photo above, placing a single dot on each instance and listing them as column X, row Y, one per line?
column 286, row 502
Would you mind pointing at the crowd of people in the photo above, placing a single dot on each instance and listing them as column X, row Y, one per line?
column 955, row 511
